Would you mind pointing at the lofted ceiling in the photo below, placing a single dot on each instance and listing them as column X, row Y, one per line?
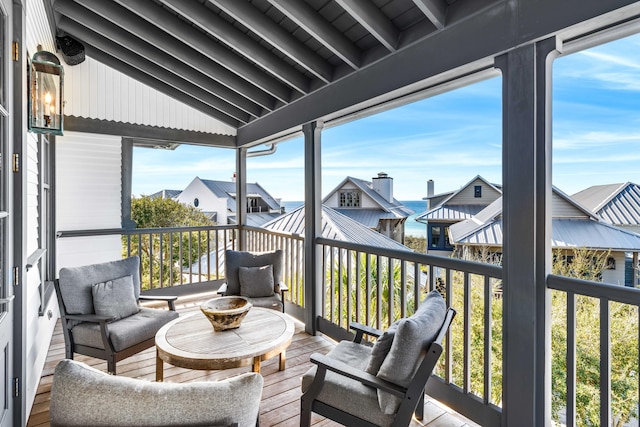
column 245, row 62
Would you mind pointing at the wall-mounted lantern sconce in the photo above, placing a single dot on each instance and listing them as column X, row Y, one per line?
column 46, row 78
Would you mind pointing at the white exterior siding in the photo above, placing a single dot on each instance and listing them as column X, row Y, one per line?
column 38, row 29
column 88, row 180
column 208, row 202
column 366, row 202
column 563, row 209
column 617, row 275
column 466, row 196
column 96, row 91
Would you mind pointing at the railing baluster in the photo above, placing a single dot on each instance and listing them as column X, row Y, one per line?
column 332, row 281
column 571, row 359
column 403, row 288
column 605, row 363
column 180, row 259
column 170, row 259
column 488, row 323
column 416, row 286
column 391, row 291
column 378, row 291
column 348, row 288
column 467, row 334
column 340, row 286
column 151, row 261
column 368, row 289
column 448, row 345
column 161, row 261
column 358, row 290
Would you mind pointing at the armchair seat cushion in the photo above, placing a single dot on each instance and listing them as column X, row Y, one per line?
column 84, row 396
column 125, row 332
column 274, row 302
column 346, row 394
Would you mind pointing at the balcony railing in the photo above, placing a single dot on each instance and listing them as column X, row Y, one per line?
column 377, row 286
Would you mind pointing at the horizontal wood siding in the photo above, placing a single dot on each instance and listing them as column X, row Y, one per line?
column 96, row 91
column 466, row 196
column 563, row 209
column 88, row 175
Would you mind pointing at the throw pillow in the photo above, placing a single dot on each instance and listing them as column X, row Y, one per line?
column 115, row 298
column 413, row 335
column 256, row 282
column 381, row 348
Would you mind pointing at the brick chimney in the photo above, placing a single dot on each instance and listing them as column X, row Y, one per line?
column 383, row 185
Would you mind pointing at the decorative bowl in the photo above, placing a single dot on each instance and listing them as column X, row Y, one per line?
column 226, row 312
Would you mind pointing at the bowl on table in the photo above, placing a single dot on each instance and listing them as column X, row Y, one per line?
column 226, row 312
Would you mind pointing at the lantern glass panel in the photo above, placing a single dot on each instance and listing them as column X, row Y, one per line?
column 46, row 99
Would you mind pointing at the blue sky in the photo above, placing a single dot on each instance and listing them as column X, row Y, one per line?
column 449, row 138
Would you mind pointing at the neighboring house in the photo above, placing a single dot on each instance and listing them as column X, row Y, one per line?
column 371, row 204
column 166, row 194
column 218, row 200
column 619, row 205
column 573, row 226
column 446, row 209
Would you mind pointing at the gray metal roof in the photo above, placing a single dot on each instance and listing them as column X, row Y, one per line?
column 396, row 208
column 565, row 233
column 166, row 194
column 453, row 213
column 368, row 217
column 255, row 219
column 228, row 189
column 335, row 226
column 617, row 204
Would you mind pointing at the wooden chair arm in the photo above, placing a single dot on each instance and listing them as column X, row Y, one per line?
column 93, row 318
column 169, row 299
column 327, row 363
column 283, row 287
column 362, row 330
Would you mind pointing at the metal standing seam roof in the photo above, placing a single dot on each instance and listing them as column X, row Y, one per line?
column 450, row 213
column 335, row 226
column 166, row 194
column 228, row 189
column 617, row 204
column 368, row 217
column 396, row 208
column 565, row 233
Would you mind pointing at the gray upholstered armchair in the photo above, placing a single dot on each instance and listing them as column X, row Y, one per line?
column 100, row 312
column 360, row 385
column 84, row 396
column 257, row 276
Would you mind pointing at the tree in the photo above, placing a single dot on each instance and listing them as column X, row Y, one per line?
column 164, row 255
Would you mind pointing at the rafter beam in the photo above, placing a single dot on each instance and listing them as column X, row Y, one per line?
column 117, row 50
column 274, row 34
column 88, row 19
column 180, row 30
column 434, row 10
column 175, row 48
column 213, row 24
column 158, row 85
column 373, row 20
column 321, row 30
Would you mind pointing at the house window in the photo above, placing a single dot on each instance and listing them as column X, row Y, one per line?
column 196, row 202
column 438, row 237
column 611, row 263
column 349, row 199
column 477, row 191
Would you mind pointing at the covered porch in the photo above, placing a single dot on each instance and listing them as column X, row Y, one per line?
column 248, row 73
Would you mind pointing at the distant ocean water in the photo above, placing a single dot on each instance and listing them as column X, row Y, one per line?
column 411, row 227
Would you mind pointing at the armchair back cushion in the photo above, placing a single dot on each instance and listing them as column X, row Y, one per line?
column 76, row 282
column 84, row 396
column 115, row 298
column 412, row 337
column 256, row 282
column 236, row 259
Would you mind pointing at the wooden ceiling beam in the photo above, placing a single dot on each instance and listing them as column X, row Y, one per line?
column 222, row 30
column 275, row 35
column 434, row 10
column 373, row 20
column 87, row 19
column 321, row 30
column 89, row 37
column 167, row 23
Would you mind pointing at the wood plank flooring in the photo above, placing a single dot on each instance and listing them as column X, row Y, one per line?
column 280, row 404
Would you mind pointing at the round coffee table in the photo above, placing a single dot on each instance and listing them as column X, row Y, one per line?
column 190, row 342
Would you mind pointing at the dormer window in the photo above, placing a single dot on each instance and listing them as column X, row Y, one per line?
column 350, row 199
column 477, row 191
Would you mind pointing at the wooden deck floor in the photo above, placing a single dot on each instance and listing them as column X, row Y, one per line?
column 281, row 394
